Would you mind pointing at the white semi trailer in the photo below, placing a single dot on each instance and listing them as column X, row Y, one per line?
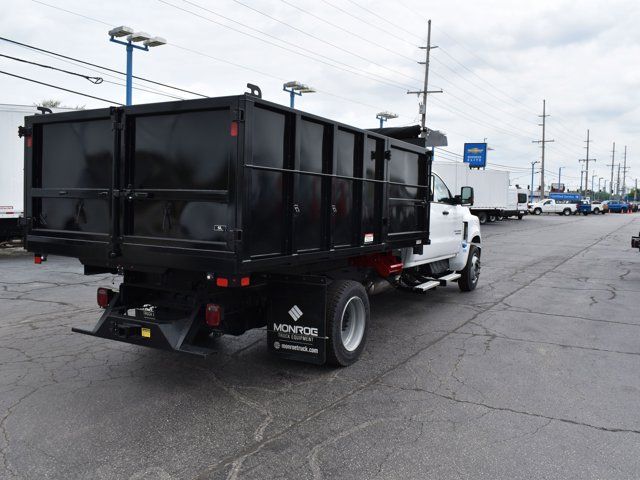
column 494, row 198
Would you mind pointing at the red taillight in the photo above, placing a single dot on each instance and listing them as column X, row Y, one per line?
column 29, row 140
column 234, row 129
column 104, row 297
column 213, row 315
column 222, row 282
column 244, row 281
column 37, row 259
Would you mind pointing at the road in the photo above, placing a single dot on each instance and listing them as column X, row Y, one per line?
column 533, row 375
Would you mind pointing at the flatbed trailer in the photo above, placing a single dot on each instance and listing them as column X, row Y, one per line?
column 227, row 214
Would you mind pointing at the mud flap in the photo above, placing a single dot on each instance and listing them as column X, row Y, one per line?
column 296, row 328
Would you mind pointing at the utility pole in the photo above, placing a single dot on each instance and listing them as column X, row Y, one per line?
column 560, row 176
column 624, row 172
column 425, row 88
column 587, row 160
column 543, row 142
column 592, row 180
column 618, row 182
column 635, row 192
column 613, row 163
column 531, row 189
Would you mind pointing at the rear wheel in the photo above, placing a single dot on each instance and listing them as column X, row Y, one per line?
column 566, row 212
column 347, row 322
column 482, row 217
column 520, row 215
column 471, row 272
column 492, row 218
column 537, row 211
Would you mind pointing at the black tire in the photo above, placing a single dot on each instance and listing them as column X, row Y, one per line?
column 492, row 218
column 471, row 272
column 520, row 215
column 566, row 212
column 537, row 211
column 482, row 217
column 340, row 295
column 596, row 211
column 585, row 213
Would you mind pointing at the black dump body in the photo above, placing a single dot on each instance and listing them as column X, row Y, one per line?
column 229, row 185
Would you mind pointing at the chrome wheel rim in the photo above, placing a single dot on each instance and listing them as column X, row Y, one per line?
column 352, row 324
column 475, row 268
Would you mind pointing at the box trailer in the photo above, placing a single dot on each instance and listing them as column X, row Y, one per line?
column 491, row 188
column 232, row 213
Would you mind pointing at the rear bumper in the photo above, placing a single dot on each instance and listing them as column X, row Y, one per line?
column 114, row 324
column 635, row 242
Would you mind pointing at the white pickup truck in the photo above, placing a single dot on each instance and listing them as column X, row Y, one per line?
column 552, row 206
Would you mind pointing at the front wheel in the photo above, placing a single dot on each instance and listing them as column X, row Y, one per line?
column 471, row 272
column 596, row 211
column 347, row 322
column 537, row 211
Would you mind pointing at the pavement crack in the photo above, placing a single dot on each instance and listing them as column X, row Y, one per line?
column 516, row 411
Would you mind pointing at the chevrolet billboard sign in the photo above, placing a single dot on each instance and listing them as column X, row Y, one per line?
column 475, row 154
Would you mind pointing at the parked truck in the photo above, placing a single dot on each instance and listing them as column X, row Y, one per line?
column 493, row 197
column 560, row 207
column 233, row 213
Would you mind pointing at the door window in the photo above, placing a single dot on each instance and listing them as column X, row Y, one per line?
column 440, row 193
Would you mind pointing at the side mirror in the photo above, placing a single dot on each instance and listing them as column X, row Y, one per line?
column 466, row 196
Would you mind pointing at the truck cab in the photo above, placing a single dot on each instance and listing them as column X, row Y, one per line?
column 453, row 229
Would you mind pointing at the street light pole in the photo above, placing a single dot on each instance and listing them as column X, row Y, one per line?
column 296, row 88
column 531, row 190
column 384, row 116
column 132, row 37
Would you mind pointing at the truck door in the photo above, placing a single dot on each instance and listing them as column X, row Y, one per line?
column 444, row 221
column 548, row 206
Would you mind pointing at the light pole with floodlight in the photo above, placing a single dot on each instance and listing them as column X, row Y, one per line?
column 296, row 88
column 384, row 116
column 132, row 38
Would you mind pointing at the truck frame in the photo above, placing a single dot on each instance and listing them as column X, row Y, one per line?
column 233, row 213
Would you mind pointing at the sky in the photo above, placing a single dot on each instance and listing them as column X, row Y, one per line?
column 496, row 61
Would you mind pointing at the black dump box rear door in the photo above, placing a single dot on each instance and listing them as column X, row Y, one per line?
column 140, row 186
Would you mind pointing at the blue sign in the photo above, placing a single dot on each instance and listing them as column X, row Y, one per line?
column 475, row 154
column 571, row 197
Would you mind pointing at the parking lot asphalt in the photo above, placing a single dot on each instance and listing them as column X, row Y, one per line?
column 533, row 375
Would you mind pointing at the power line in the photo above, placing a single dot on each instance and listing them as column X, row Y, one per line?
column 94, row 80
column 211, row 57
column 386, row 20
column 318, row 56
column 60, row 88
column 315, row 37
column 347, row 31
column 346, row 12
column 93, row 64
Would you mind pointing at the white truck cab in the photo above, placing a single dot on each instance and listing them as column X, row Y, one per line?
column 455, row 241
